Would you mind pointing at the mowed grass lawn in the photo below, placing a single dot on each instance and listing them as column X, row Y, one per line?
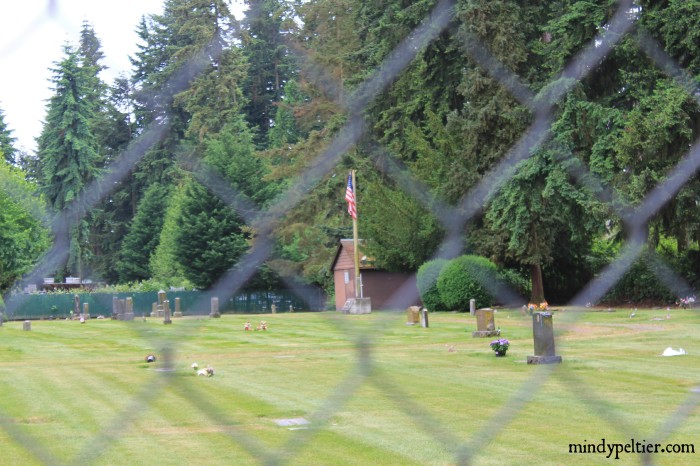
column 373, row 390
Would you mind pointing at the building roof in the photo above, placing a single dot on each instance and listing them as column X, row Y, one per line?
column 344, row 256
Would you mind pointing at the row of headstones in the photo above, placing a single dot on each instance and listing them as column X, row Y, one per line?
column 542, row 330
column 123, row 309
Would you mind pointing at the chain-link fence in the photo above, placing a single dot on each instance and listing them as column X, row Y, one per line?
column 453, row 218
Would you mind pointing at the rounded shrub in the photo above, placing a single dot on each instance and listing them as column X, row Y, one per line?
column 462, row 279
column 426, row 281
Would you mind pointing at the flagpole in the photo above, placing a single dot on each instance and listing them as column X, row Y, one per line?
column 358, row 280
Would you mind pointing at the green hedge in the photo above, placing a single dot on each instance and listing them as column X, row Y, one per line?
column 461, row 280
column 426, row 281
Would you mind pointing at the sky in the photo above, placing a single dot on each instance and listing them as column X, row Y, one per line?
column 32, row 36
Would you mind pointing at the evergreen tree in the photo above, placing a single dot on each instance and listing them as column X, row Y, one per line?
column 111, row 217
column 164, row 264
column 403, row 234
column 112, row 129
column 7, row 142
column 270, row 63
column 143, row 235
column 187, row 33
column 67, row 148
column 535, row 213
column 284, row 130
column 209, row 240
column 232, row 154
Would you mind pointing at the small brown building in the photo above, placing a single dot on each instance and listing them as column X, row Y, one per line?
column 387, row 290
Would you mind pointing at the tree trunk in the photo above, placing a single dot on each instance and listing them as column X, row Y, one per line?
column 537, row 295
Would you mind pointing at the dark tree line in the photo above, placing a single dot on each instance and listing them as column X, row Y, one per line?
column 273, row 92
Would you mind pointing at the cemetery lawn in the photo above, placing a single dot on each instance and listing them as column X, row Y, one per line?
column 373, row 390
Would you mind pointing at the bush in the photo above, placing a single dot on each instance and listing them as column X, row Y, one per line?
column 641, row 284
column 461, row 280
column 426, row 281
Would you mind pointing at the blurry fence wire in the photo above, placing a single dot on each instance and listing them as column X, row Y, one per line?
column 453, row 219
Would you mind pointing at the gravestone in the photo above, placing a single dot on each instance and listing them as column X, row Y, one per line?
column 543, row 334
column 472, row 306
column 128, row 313
column 291, row 308
column 160, row 308
column 166, row 313
column 27, row 325
column 76, row 305
column 115, row 307
column 122, row 309
column 412, row 315
column 2, row 317
column 178, row 310
column 215, row 308
column 154, row 309
column 485, row 325
column 273, row 308
column 86, row 310
column 424, row 318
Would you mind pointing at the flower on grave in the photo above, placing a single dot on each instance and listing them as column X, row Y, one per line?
column 686, row 302
column 541, row 307
column 500, row 346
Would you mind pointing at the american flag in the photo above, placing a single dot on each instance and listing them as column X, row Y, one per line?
column 350, row 197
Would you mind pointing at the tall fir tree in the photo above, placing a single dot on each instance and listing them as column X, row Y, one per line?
column 270, row 63
column 7, row 142
column 67, row 148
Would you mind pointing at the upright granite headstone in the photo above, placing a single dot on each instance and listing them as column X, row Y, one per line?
column 86, row 310
column 128, row 309
column 215, row 308
column 166, row 314
column 273, row 308
column 472, row 306
column 122, row 309
column 543, row 334
column 178, row 310
column 160, row 308
column 485, row 325
column 424, row 318
column 27, row 325
column 76, row 305
column 115, row 307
